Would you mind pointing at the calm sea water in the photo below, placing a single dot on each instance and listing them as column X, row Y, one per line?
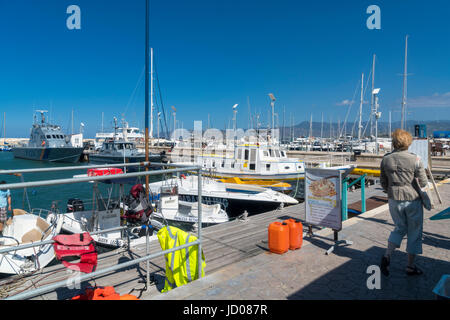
column 43, row 197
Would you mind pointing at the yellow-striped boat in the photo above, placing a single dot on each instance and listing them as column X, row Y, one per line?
column 271, row 184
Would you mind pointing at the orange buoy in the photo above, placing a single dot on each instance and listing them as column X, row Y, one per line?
column 128, row 297
column 295, row 233
column 278, row 237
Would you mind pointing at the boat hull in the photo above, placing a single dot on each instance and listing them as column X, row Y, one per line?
column 235, row 207
column 69, row 155
column 100, row 159
column 296, row 180
column 28, row 260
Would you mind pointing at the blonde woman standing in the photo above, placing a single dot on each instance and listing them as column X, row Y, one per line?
column 399, row 169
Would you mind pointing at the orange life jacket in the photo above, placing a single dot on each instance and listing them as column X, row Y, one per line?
column 76, row 245
column 103, row 293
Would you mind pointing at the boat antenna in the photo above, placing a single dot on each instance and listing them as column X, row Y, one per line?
column 115, row 128
column 42, row 112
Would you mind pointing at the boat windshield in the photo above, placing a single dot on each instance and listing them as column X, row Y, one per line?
column 127, row 146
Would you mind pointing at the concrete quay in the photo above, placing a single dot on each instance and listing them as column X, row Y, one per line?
column 308, row 273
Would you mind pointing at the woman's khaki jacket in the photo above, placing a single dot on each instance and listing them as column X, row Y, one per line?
column 397, row 171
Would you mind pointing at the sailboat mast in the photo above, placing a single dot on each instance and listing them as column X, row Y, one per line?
column 284, row 125
column 151, row 92
column 373, row 87
column 146, row 92
column 360, row 107
column 310, row 128
column 403, row 124
column 390, row 128
column 321, row 129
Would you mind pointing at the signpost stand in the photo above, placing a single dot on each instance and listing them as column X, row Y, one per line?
column 337, row 242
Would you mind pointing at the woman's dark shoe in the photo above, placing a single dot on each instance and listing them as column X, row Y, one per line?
column 384, row 265
column 413, row 271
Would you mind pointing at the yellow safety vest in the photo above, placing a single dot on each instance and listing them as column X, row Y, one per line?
column 181, row 265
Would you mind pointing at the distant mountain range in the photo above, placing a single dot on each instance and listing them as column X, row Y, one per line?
column 302, row 129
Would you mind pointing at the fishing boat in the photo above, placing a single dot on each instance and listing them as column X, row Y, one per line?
column 119, row 150
column 170, row 208
column 235, row 199
column 274, row 185
column 48, row 143
column 5, row 147
column 26, row 228
column 79, row 220
column 101, row 213
column 255, row 162
column 127, row 133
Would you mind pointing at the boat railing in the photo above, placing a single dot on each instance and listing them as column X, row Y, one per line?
column 45, row 242
column 146, row 258
column 327, row 160
column 41, row 213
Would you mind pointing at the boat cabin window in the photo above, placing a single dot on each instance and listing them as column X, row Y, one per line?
column 283, row 154
column 252, row 159
column 277, row 153
column 267, row 166
column 265, row 153
column 239, row 156
column 232, row 165
column 223, row 164
column 246, row 154
column 271, row 152
column 49, row 136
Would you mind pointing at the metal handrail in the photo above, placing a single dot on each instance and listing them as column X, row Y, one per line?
column 345, row 187
column 51, row 287
column 95, row 178
column 63, row 283
column 41, row 243
column 72, row 168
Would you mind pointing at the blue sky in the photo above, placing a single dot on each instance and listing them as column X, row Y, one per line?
column 212, row 54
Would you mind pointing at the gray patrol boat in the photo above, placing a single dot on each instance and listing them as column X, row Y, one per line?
column 119, row 150
column 48, row 143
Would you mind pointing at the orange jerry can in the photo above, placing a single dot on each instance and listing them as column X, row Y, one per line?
column 278, row 237
column 295, row 233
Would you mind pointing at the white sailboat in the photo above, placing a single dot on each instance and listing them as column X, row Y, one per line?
column 26, row 228
column 233, row 198
column 170, row 208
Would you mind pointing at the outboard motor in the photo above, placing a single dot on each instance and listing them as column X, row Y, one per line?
column 74, row 205
column 139, row 207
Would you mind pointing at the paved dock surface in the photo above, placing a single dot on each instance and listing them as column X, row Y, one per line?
column 308, row 273
column 239, row 265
